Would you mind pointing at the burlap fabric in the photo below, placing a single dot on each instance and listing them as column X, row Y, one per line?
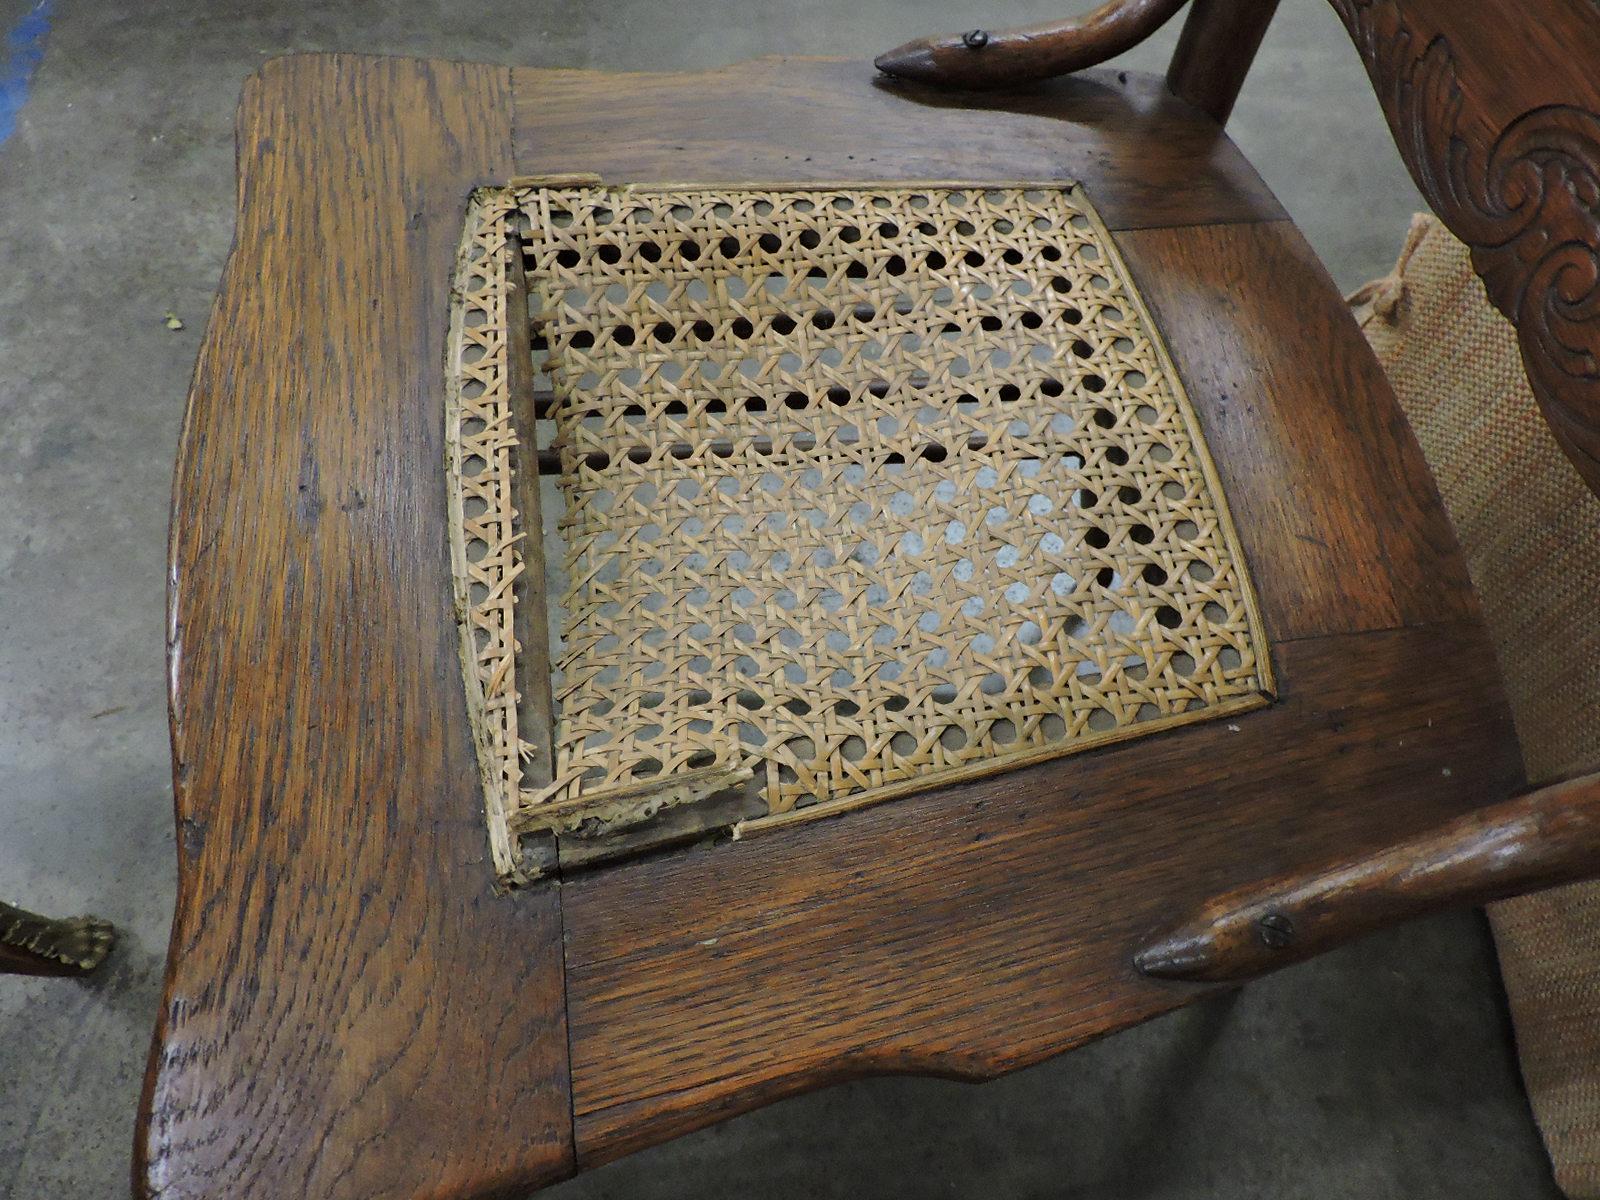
column 1531, row 533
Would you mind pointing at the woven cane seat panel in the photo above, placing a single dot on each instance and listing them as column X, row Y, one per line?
column 864, row 489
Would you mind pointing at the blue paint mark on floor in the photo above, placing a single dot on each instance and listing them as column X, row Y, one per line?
column 23, row 50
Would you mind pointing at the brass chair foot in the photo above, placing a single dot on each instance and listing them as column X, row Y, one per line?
column 35, row 945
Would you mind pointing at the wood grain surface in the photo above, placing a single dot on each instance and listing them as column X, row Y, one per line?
column 352, row 1011
column 1340, row 519
column 1544, row 839
column 1147, row 159
column 1219, row 42
column 988, row 58
column 988, row 926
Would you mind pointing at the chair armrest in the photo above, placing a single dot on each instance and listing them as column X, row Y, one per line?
column 1541, row 840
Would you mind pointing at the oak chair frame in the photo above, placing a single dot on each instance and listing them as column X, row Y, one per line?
column 350, row 1007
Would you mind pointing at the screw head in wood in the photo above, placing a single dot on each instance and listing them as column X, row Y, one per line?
column 1275, row 930
column 975, row 39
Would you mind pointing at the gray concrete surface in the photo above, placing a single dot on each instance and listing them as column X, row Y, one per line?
column 1384, row 1070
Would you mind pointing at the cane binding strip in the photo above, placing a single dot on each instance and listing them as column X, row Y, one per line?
column 867, row 489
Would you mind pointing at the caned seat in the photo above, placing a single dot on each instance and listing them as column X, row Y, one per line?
column 863, row 490
column 986, row 498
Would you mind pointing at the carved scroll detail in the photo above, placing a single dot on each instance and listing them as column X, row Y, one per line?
column 1523, row 195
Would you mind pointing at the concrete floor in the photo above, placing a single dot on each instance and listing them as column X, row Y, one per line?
column 1383, row 1070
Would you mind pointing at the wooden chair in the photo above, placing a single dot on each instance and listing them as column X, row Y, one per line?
column 356, row 1004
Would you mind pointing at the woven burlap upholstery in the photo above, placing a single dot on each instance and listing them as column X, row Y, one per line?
column 1531, row 532
column 863, row 489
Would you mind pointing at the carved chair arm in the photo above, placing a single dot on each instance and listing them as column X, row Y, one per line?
column 980, row 58
column 1541, row 840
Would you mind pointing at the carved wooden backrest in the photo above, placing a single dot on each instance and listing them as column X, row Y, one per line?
column 1493, row 106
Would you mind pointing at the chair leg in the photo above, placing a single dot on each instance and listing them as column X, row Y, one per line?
column 1219, row 42
column 35, row 945
column 980, row 58
column 1541, row 840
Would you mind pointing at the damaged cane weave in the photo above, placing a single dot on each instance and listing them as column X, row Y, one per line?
column 866, row 489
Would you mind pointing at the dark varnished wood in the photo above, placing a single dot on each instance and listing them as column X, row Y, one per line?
column 1542, row 840
column 1495, row 107
column 1339, row 517
column 350, row 1008
column 982, row 58
column 1219, row 42
column 981, row 928
column 1147, row 159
